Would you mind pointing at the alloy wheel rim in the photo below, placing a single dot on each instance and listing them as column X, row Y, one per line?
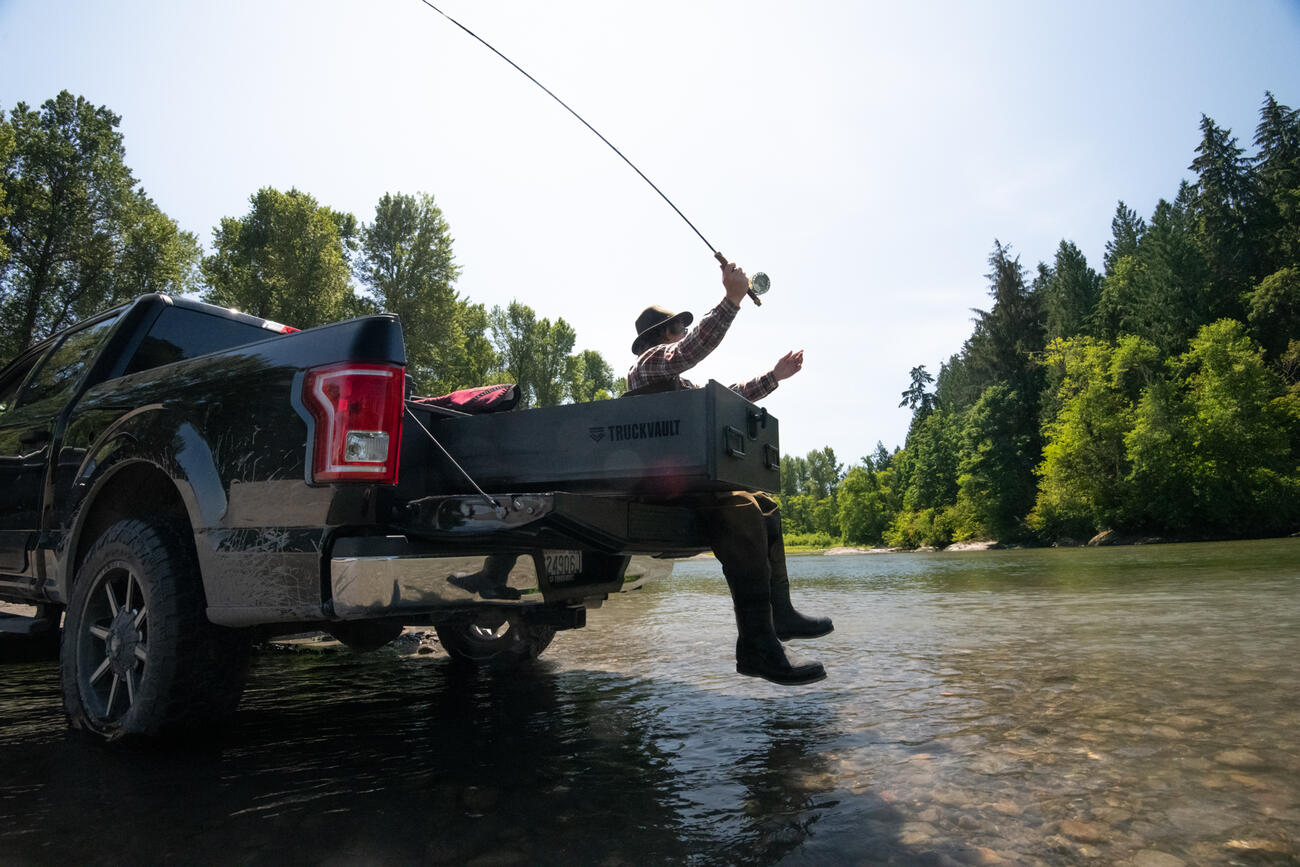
column 115, row 649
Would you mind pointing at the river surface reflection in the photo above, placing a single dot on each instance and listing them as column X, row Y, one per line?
column 1102, row 706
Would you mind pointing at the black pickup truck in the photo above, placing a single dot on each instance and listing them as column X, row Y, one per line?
column 178, row 480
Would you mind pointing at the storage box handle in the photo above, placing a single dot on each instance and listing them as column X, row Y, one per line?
column 733, row 440
column 771, row 457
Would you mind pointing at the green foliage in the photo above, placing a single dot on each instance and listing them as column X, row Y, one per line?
column 407, row 265
column 1007, row 335
column 592, row 378
column 1069, row 293
column 867, row 502
column 1277, row 174
column 808, row 541
column 1000, row 449
column 6, row 148
column 286, row 260
column 538, row 355
column 1222, row 203
column 934, row 448
column 1160, row 291
column 79, row 233
column 1127, row 229
column 1213, row 446
column 1083, row 477
column 1273, row 309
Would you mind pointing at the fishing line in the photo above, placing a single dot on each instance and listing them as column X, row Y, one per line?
column 760, row 281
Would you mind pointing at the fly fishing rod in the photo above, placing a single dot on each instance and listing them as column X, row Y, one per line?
column 760, row 282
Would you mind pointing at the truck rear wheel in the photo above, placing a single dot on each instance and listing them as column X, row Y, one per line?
column 505, row 639
column 139, row 656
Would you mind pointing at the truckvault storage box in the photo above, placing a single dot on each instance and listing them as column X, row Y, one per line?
column 703, row 439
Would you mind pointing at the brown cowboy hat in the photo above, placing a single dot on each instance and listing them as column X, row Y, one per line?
column 651, row 319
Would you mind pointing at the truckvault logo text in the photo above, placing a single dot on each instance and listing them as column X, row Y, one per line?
column 645, row 430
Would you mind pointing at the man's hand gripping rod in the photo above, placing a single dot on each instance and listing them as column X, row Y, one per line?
column 758, row 284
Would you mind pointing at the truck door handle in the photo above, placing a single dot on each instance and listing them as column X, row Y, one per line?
column 35, row 436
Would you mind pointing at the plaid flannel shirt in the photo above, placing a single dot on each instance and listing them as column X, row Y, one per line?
column 668, row 360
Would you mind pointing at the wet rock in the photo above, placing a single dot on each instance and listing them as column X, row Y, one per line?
column 1155, row 858
column 1085, row 832
column 1112, row 815
column 1202, row 821
column 913, row 833
column 1008, row 807
column 968, row 822
column 1239, row 758
column 930, row 814
column 1272, row 846
column 982, row 856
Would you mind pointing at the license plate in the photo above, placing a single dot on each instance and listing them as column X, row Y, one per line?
column 562, row 564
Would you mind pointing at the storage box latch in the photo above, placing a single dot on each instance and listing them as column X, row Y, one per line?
column 757, row 419
column 733, row 440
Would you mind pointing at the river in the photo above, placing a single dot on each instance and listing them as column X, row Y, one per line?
column 1087, row 706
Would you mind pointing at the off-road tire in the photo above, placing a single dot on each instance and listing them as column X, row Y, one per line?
column 501, row 640
column 364, row 636
column 139, row 656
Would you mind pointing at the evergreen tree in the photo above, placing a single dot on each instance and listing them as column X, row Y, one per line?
column 1277, row 173
column 997, row 486
column 1069, row 293
column 1126, row 229
column 916, row 397
column 1221, row 204
column 1008, row 334
column 1158, row 292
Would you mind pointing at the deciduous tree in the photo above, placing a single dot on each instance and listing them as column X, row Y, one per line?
column 80, row 233
column 286, row 260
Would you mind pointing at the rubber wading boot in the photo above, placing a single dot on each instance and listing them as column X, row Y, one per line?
column 790, row 623
column 759, row 653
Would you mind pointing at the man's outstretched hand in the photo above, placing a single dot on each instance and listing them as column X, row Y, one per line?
column 790, row 364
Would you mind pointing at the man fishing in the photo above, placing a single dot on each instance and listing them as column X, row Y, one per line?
column 743, row 529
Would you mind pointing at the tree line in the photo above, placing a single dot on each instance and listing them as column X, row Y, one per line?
column 79, row 234
column 1159, row 396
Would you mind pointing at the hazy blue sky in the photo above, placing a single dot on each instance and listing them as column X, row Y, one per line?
column 865, row 155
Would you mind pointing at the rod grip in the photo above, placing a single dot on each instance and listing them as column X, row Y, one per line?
column 722, row 260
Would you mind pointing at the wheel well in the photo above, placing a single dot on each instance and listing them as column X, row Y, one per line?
column 136, row 491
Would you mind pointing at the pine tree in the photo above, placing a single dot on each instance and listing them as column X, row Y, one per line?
column 1222, row 200
column 1126, row 229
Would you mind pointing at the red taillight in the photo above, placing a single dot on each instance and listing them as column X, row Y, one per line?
column 358, row 413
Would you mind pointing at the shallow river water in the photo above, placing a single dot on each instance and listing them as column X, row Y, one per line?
column 1095, row 706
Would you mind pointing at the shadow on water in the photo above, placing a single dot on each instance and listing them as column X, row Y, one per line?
column 381, row 759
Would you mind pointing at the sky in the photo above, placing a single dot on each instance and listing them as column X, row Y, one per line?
column 865, row 155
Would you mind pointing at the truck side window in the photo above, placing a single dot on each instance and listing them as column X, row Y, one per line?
column 64, row 366
column 13, row 381
column 178, row 334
